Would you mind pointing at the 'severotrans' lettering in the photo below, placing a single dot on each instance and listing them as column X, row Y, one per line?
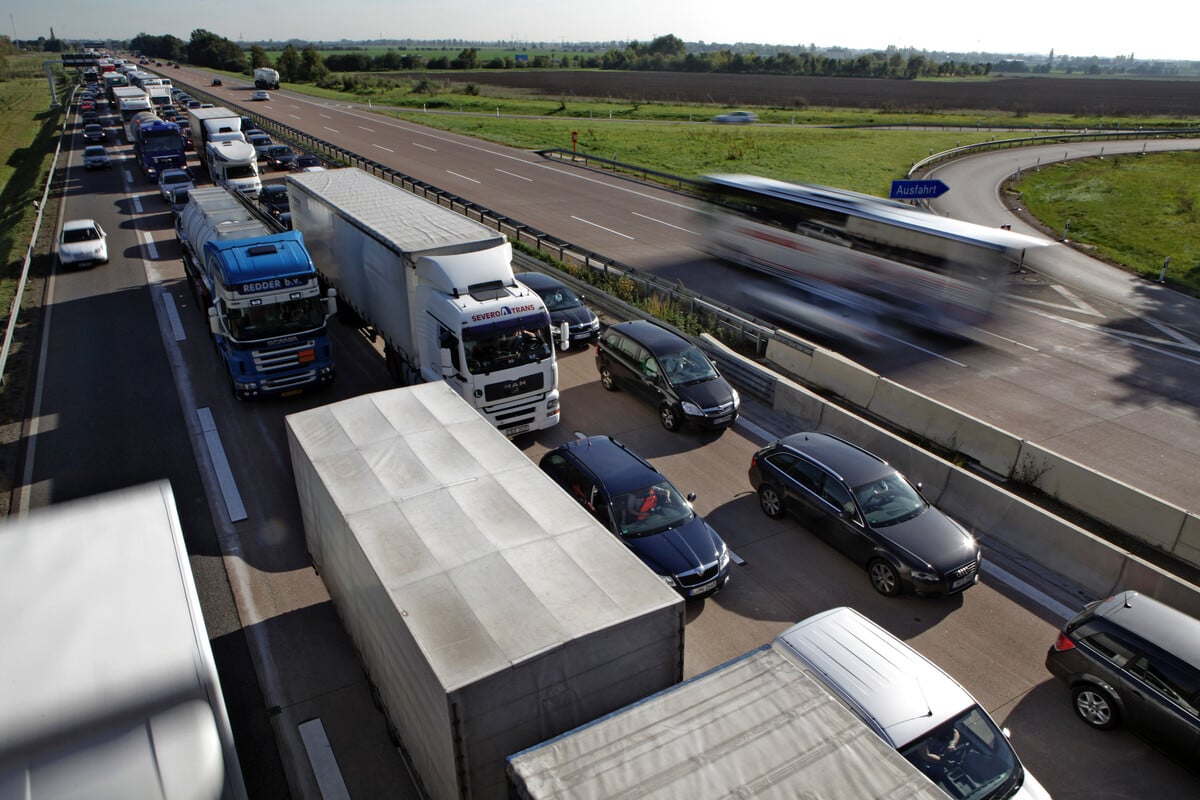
column 503, row 312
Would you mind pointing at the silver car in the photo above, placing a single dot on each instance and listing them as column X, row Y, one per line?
column 172, row 179
column 96, row 157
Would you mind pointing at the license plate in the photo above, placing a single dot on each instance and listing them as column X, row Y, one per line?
column 707, row 587
column 961, row 582
column 291, row 393
column 722, row 420
column 516, row 430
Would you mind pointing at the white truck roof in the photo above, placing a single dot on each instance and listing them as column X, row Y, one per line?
column 492, row 562
column 403, row 221
column 758, row 726
column 103, row 682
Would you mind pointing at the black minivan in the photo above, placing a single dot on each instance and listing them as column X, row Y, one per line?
column 1135, row 661
column 667, row 371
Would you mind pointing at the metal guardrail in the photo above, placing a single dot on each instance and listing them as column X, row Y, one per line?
column 1058, row 138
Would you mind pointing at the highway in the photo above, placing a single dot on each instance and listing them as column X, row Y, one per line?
column 132, row 391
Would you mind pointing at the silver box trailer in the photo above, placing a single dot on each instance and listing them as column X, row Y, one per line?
column 107, row 683
column 759, row 726
column 490, row 610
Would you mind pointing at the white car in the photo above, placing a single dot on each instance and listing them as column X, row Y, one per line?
column 82, row 241
column 260, row 95
column 737, row 117
column 172, row 179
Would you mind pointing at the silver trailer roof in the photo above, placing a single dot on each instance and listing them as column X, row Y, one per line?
column 759, row 726
column 491, row 563
column 403, row 221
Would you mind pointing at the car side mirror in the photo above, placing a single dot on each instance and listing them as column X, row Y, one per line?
column 691, row 497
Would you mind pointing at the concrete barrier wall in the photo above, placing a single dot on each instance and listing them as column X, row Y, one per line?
column 991, row 447
column 843, row 377
column 1110, row 501
column 1188, row 546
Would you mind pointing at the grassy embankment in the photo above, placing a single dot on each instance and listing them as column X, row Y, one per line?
column 29, row 133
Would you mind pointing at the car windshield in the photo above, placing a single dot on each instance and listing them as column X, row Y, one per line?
column 560, row 298
column 651, row 510
column 687, row 366
column 968, row 757
column 889, row 500
column 276, row 152
column 93, row 151
column 175, row 177
column 80, row 235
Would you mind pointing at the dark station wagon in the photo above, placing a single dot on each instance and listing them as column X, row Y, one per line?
column 869, row 511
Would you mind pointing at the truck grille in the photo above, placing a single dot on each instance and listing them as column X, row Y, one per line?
column 278, row 359
column 500, row 390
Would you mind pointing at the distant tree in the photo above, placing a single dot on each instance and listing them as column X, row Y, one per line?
column 312, row 65
column 289, row 64
column 259, row 57
column 467, row 59
column 206, row 49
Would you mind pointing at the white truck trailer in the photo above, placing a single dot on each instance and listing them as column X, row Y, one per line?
column 107, row 683
column 759, row 726
column 491, row 610
column 222, row 148
column 438, row 287
column 266, row 78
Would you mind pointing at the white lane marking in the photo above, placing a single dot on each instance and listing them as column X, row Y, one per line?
column 425, row 147
column 168, row 301
column 513, row 174
column 1135, row 339
column 148, row 243
column 1171, row 333
column 332, row 130
column 216, row 454
column 460, row 175
column 1013, row 342
column 1076, row 303
column 365, row 128
column 381, row 147
column 601, row 227
column 136, row 200
column 664, row 222
column 295, row 116
column 326, row 116
column 1028, row 590
column 917, row 347
column 324, row 765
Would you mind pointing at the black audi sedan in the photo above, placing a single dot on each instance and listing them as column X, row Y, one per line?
column 866, row 509
column 635, row 501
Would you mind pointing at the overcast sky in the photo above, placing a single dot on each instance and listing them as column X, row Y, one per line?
column 1035, row 27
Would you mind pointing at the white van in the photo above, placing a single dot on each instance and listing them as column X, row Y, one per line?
column 913, row 705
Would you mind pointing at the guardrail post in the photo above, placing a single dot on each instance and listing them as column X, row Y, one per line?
column 1162, row 276
column 1066, row 229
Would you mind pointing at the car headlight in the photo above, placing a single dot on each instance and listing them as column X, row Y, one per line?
column 921, row 575
column 737, row 399
column 691, row 409
column 724, row 560
column 668, row 580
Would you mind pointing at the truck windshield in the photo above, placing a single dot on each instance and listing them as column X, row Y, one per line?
column 161, row 145
column 278, row 319
column 491, row 348
column 240, row 171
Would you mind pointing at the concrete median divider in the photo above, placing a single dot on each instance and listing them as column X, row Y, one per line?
column 1110, row 501
column 992, row 448
column 1188, row 546
column 843, row 377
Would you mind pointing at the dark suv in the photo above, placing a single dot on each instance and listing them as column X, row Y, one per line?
column 638, row 504
column 667, row 371
column 1134, row 660
column 862, row 506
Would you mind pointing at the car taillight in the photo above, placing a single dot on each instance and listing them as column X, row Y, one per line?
column 1063, row 642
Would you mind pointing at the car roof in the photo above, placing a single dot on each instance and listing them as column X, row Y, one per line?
column 94, row 149
column 896, row 689
column 617, row 467
column 78, row 224
column 538, row 280
column 1156, row 622
column 654, row 338
column 855, row 465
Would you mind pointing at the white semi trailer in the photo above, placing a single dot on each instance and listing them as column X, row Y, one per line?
column 439, row 289
column 108, row 687
column 491, row 610
column 759, row 726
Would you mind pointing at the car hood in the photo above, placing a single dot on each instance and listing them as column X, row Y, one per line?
column 708, row 393
column 575, row 315
column 81, row 249
column 680, row 549
column 933, row 538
